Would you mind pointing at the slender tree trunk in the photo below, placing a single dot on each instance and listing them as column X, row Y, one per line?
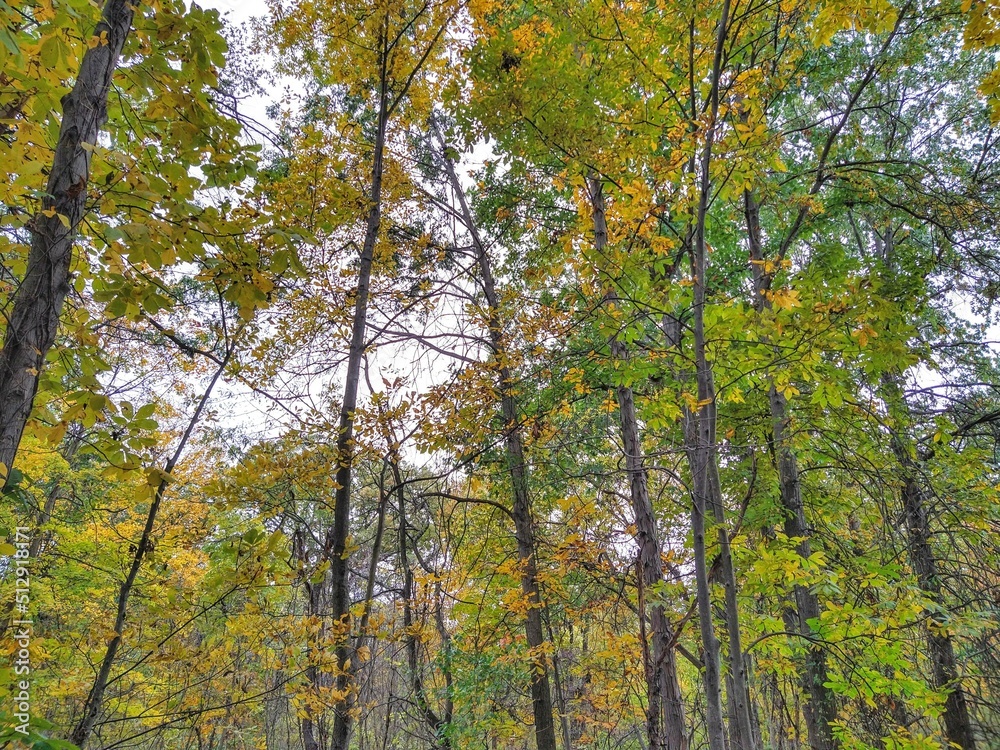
column 944, row 666
column 743, row 733
column 698, row 459
column 702, row 449
column 665, row 723
column 541, row 694
column 376, row 552
column 700, row 437
column 362, row 627
column 957, row 721
column 92, row 706
column 44, row 515
column 821, row 708
column 38, row 301
column 337, row 537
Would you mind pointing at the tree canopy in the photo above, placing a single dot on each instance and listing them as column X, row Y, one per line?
column 542, row 375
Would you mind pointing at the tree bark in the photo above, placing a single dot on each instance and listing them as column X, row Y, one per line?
column 743, row 731
column 665, row 723
column 38, row 300
column 821, row 708
column 564, row 717
column 541, row 694
column 336, row 543
column 944, row 665
column 702, row 450
column 698, row 459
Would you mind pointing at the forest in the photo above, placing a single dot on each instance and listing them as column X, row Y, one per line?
column 500, row 374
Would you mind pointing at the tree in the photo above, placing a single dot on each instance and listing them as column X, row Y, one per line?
column 584, row 375
column 38, row 301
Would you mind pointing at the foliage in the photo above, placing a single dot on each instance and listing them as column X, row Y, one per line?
column 837, row 159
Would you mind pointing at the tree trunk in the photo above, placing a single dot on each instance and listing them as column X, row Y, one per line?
column 702, row 450
column 564, row 717
column 541, row 694
column 38, row 301
column 336, row 542
column 944, row 666
column 665, row 723
column 698, row 459
column 821, row 708
column 743, row 732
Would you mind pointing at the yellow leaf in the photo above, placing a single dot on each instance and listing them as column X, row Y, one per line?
column 784, row 298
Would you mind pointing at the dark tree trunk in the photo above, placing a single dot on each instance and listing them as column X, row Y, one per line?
column 703, row 459
column 743, row 731
column 944, row 668
column 821, row 708
column 38, row 301
column 940, row 645
column 336, row 542
column 698, row 459
column 312, row 726
column 564, row 717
